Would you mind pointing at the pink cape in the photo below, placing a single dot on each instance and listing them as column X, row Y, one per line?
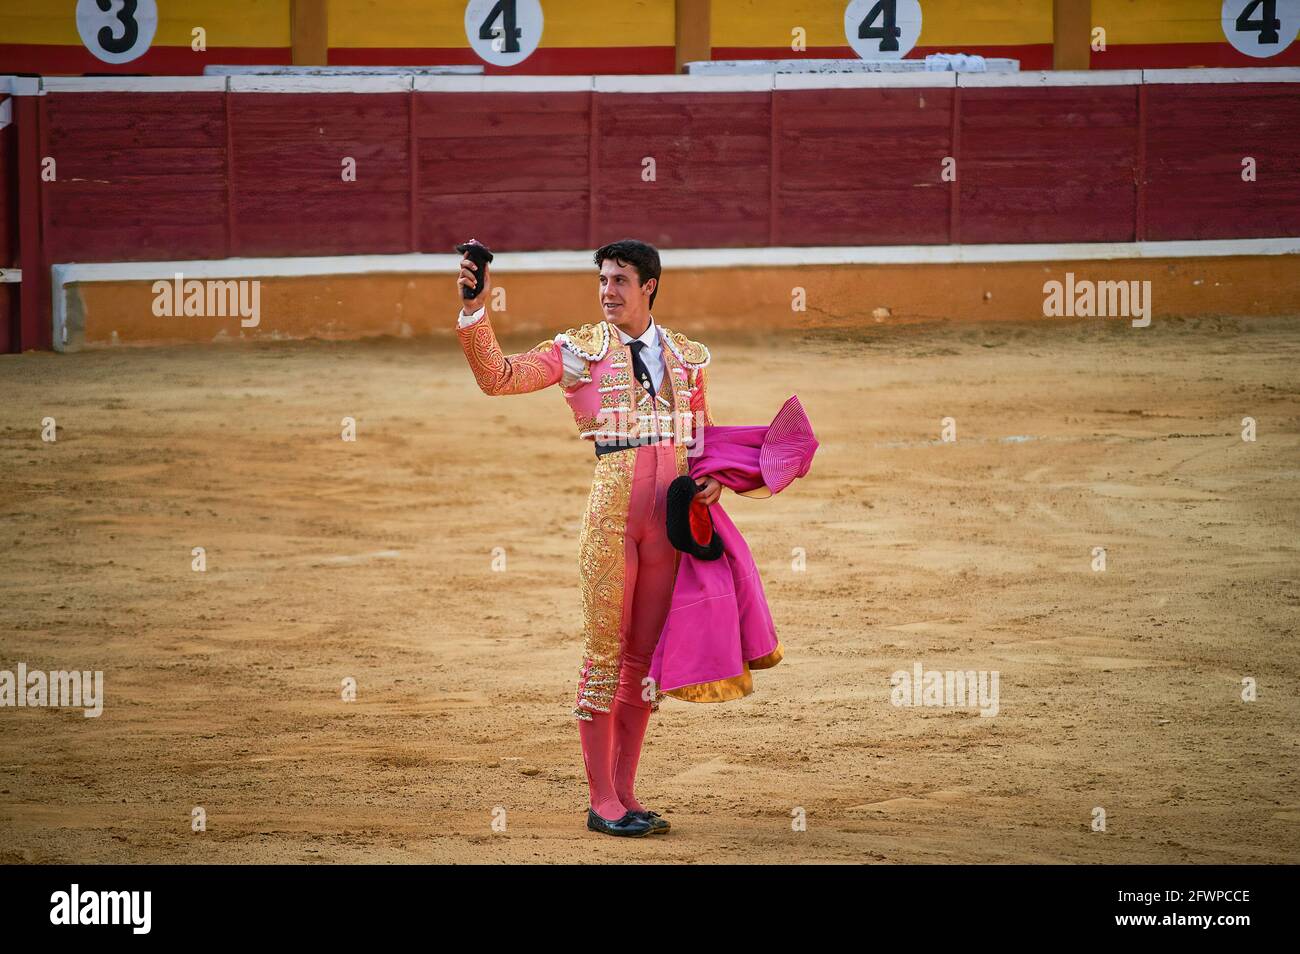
column 719, row 618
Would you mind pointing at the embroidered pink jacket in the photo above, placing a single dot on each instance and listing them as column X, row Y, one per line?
column 605, row 399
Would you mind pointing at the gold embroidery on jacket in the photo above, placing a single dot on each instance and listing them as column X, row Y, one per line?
column 588, row 341
column 495, row 373
column 692, row 353
column 601, row 562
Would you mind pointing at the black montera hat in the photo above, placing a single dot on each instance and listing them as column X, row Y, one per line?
column 690, row 528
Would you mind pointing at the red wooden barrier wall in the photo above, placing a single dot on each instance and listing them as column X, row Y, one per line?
column 1048, row 165
column 140, row 176
column 169, row 176
column 8, row 226
column 528, row 153
column 1196, row 138
column 862, row 166
column 286, row 176
column 711, row 157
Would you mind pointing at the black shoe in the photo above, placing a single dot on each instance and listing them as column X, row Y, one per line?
column 658, row 824
column 629, row 826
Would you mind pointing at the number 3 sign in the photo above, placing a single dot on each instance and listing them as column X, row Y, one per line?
column 503, row 32
column 882, row 29
column 1261, row 28
column 117, row 31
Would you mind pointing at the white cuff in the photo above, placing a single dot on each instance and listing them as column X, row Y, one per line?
column 465, row 320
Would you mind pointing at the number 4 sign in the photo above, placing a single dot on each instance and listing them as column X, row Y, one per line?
column 1261, row 28
column 882, row 29
column 503, row 32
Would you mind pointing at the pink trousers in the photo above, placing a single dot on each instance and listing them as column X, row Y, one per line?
column 611, row 743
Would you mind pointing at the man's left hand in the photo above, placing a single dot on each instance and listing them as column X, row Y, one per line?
column 711, row 492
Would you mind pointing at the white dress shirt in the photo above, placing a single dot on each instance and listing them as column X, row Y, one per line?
column 652, row 354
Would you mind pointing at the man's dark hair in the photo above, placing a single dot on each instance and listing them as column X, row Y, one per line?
column 631, row 252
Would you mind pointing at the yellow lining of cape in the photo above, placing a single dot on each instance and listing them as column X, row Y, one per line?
column 735, row 687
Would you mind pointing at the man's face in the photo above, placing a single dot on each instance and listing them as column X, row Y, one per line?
column 623, row 300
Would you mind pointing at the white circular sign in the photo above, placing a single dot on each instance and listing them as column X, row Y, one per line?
column 503, row 32
column 117, row 31
column 1261, row 28
column 882, row 29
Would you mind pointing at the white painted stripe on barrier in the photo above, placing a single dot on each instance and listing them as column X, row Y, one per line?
column 503, row 84
column 400, row 83
column 677, row 258
column 1248, row 74
column 920, row 80
column 21, row 86
column 1052, row 78
column 581, row 261
column 6, row 113
column 467, row 69
column 133, row 84
column 760, row 83
column 11, row 275
column 831, row 66
column 793, row 256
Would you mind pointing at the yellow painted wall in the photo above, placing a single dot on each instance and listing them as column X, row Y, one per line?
column 1159, row 21
column 227, row 22
column 567, row 23
column 943, row 22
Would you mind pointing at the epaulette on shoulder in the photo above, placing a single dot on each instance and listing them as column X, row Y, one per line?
column 690, row 353
column 589, row 342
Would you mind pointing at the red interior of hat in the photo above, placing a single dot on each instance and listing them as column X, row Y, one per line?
column 701, row 524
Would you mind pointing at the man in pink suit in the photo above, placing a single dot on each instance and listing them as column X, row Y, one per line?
column 639, row 392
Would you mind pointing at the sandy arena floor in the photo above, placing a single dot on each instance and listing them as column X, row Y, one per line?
column 326, row 560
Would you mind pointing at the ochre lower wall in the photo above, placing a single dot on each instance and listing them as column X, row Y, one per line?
column 539, row 305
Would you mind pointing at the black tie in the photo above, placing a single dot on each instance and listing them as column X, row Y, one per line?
column 638, row 367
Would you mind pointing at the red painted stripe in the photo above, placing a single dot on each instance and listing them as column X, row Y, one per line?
column 9, row 233
column 1032, row 56
column 593, row 167
column 545, row 61
column 774, row 170
column 31, row 314
column 413, row 178
column 1154, row 56
column 954, row 191
column 232, row 240
column 160, row 60
column 8, row 199
column 45, row 337
column 1140, row 211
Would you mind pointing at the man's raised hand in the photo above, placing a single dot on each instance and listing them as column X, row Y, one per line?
column 467, row 279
